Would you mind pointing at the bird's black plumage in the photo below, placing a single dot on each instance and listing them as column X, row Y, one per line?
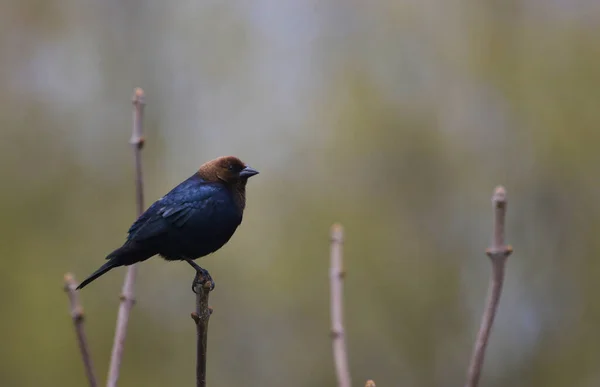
column 194, row 219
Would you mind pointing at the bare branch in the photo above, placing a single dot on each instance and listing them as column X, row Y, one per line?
column 137, row 141
column 201, row 317
column 127, row 295
column 336, row 275
column 77, row 316
column 498, row 253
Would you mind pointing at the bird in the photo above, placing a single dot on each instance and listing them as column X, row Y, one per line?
column 194, row 219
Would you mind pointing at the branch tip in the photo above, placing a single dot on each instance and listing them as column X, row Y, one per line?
column 337, row 233
column 499, row 196
column 69, row 285
column 138, row 96
column 139, row 101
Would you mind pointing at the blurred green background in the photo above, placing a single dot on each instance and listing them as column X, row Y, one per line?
column 395, row 118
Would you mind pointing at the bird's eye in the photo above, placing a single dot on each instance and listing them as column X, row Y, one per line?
column 234, row 167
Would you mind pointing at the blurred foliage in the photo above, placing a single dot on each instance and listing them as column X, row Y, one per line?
column 395, row 118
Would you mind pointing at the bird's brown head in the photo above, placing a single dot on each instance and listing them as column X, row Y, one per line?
column 227, row 169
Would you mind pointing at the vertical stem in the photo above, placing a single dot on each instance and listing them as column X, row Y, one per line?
column 498, row 254
column 137, row 142
column 127, row 295
column 201, row 317
column 336, row 275
column 78, row 317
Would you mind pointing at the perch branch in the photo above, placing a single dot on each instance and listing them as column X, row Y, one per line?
column 127, row 297
column 77, row 316
column 498, row 253
column 336, row 276
column 201, row 317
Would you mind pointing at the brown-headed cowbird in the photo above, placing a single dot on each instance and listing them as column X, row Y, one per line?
column 194, row 219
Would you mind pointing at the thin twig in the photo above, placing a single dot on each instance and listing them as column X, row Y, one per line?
column 370, row 383
column 127, row 296
column 498, row 253
column 77, row 316
column 201, row 317
column 336, row 275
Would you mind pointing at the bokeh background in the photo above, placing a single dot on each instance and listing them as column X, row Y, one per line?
column 396, row 118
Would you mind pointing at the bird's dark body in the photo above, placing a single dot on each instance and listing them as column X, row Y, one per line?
column 194, row 219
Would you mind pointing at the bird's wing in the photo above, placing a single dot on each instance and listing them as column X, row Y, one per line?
column 143, row 219
column 178, row 214
column 173, row 210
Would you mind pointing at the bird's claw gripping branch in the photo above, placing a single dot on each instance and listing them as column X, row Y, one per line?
column 202, row 278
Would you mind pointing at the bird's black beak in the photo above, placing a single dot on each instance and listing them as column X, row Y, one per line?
column 248, row 172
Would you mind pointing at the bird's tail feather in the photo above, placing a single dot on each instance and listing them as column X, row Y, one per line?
column 116, row 259
column 123, row 256
column 102, row 270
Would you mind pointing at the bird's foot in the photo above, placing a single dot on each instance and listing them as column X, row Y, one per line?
column 202, row 280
